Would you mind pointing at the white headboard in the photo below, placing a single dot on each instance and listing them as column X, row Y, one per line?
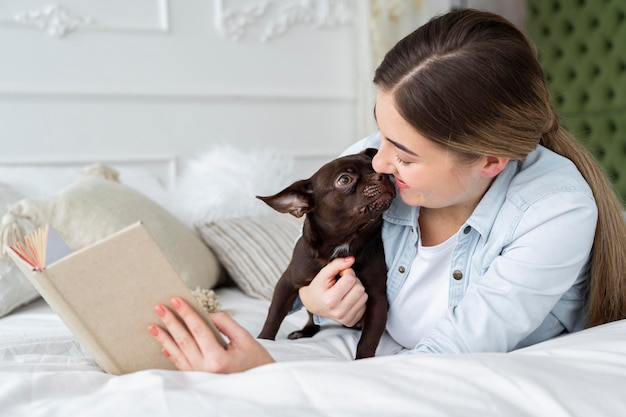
column 150, row 82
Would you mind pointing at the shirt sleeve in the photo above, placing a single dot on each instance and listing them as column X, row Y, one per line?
column 545, row 257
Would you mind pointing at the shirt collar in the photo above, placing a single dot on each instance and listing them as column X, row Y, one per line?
column 485, row 213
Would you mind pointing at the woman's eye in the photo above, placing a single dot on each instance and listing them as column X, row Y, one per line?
column 344, row 180
column 401, row 161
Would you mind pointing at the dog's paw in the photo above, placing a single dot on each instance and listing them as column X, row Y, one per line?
column 307, row 331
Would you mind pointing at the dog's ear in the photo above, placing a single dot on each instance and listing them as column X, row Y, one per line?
column 297, row 199
column 370, row 152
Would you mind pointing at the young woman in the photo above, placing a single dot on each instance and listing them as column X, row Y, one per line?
column 504, row 233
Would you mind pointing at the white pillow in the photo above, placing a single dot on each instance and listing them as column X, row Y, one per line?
column 15, row 289
column 96, row 206
column 222, row 183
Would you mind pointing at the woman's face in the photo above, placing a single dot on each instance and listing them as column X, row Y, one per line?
column 426, row 174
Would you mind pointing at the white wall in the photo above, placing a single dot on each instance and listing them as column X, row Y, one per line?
column 152, row 82
column 152, row 79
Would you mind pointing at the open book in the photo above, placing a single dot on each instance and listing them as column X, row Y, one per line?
column 106, row 292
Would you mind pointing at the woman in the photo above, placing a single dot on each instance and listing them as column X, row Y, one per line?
column 504, row 232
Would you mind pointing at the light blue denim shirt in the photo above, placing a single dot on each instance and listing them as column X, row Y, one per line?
column 520, row 266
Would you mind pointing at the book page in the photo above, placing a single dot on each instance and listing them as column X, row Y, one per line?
column 56, row 248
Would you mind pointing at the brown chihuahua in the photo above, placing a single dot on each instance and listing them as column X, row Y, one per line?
column 343, row 202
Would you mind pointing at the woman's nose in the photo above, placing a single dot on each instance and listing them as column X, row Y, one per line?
column 380, row 164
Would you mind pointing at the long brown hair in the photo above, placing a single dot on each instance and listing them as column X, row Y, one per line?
column 470, row 81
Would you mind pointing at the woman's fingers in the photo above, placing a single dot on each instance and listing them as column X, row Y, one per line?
column 341, row 300
column 351, row 306
column 178, row 345
column 190, row 344
column 200, row 332
column 329, row 273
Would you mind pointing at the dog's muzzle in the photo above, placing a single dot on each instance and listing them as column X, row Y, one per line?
column 382, row 194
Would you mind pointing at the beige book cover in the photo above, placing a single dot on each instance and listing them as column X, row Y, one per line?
column 106, row 293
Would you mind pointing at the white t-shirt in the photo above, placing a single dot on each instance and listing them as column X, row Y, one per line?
column 423, row 298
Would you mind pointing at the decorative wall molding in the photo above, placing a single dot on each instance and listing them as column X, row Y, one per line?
column 234, row 23
column 278, row 17
column 164, row 167
column 54, row 20
column 152, row 95
column 58, row 21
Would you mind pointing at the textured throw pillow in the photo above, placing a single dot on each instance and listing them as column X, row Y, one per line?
column 254, row 250
column 15, row 289
column 98, row 205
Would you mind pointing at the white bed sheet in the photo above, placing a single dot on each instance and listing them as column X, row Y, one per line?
column 45, row 372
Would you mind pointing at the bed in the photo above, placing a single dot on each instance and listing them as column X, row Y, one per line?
column 44, row 370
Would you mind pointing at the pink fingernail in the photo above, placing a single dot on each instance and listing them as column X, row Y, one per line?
column 175, row 303
column 165, row 353
column 160, row 310
column 153, row 330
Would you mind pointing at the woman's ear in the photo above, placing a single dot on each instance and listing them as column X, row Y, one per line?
column 493, row 165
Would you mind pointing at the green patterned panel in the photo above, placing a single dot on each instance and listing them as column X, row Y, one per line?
column 582, row 48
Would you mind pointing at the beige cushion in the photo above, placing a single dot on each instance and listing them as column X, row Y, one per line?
column 15, row 289
column 96, row 206
column 254, row 250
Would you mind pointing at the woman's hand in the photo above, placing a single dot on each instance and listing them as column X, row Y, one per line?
column 191, row 345
column 342, row 300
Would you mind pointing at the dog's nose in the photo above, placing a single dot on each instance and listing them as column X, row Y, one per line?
column 378, row 177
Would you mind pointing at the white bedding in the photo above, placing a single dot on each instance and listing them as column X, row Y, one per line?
column 45, row 372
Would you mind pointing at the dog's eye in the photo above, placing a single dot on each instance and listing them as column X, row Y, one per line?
column 344, row 180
